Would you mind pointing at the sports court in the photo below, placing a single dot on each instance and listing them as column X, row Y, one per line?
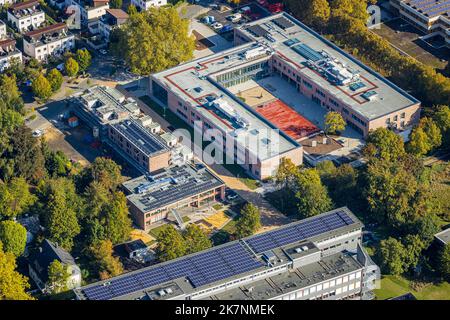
column 287, row 119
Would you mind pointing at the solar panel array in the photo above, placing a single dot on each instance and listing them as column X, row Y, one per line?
column 201, row 269
column 299, row 231
column 257, row 30
column 307, row 52
column 431, row 8
column 283, row 23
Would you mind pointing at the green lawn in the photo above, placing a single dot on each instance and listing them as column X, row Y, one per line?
column 156, row 231
column 178, row 123
column 392, row 286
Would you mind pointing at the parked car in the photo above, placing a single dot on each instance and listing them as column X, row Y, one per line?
column 60, row 67
column 217, row 26
column 103, row 51
column 226, row 28
column 234, row 17
column 37, row 133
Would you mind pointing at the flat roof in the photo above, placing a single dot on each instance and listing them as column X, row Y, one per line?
column 443, row 236
column 195, row 83
column 430, row 8
column 170, row 185
column 328, row 267
column 222, row 263
column 299, row 45
column 149, row 143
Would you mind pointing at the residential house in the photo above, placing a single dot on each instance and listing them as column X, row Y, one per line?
column 41, row 260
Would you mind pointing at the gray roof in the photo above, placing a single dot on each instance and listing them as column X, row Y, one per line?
column 443, row 236
column 140, row 137
column 223, row 263
column 170, row 185
column 291, row 42
column 48, row 253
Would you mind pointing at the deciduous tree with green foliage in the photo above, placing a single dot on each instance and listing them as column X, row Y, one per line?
column 195, row 238
column 171, row 244
column 249, row 222
column 13, row 236
column 425, row 137
column 103, row 260
column 383, row 143
column 334, row 123
column 15, row 198
column 58, row 277
column 442, row 119
column 444, row 262
column 83, row 57
column 22, row 157
column 391, row 254
column 10, row 94
column 71, row 67
column 56, row 79
column 42, row 88
column 60, row 214
column 102, row 170
column 13, row 285
column 116, row 4
column 156, row 40
column 312, row 196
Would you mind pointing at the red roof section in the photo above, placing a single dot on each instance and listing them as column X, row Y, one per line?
column 52, row 28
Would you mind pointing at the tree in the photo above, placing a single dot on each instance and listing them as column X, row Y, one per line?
column 156, row 40
column 83, row 57
column 442, row 119
column 15, row 198
column 334, row 122
column 12, row 283
column 318, row 13
column 116, row 4
column 425, row 137
column 391, row 253
column 341, row 184
column 132, row 10
column 384, row 144
column 55, row 78
column 285, row 179
column 249, row 222
column 115, row 219
column 312, row 196
column 42, row 88
column 102, row 170
column 413, row 250
column 103, row 260
column 444, row 262
column 171, row 244
column 10, row 94
column 71, row 66
column 426, row 228
column 195, row 239
column 13, row 236
column 391, row 192
column 58, row 277
column 60, row 215
column 23, row 157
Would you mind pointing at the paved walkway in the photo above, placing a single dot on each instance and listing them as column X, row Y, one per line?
column 270, row 217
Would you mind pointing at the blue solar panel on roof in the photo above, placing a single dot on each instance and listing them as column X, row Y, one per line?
column 298, row 232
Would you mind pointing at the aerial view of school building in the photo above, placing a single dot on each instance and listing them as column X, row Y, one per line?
column 280, row 75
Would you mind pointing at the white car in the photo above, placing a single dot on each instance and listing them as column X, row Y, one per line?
column 235, row 17
column 103, row 51
column 217, row 26
column 37, row 133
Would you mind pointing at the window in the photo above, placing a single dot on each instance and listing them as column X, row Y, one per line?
column 402, row 115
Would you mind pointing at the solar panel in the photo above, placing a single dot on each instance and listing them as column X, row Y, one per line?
column 220, row 262
column 299, row 231
column 307, row 52
column 283, row 23
column 257, row 30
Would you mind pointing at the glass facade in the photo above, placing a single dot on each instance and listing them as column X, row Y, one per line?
column 251, row 72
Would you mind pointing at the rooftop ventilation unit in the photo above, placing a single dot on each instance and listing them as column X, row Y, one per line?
column 254, row 53
column 224, row 107
column 370, row 95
